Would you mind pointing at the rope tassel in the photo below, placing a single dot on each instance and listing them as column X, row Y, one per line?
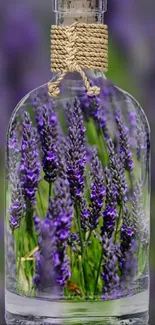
column 78, row 47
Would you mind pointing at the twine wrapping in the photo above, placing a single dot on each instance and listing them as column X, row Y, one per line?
column 77, row 47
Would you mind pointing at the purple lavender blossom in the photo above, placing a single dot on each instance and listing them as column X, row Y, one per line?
column 140, row 137
column 110, row 216
column 62, row 211
column 111, row 191
column 110, row 213
column 94, row 107
column 130, row 266
column 37, row 224
column 139, row 216
column 84, row 214
column 125, row 150
column 127, row 235
column 97, row 189
column 117, row 172
column 73, row 241
column 116, row 189
column 47, row 126
column 76, row 153
column 110, row 269
column 127, row 249
column 45, row 277
column 30, row 166
column 41, row 97
column 54, row 234
column 13, row 148
column 16, row 208
column 143, row 144
column 128, row 259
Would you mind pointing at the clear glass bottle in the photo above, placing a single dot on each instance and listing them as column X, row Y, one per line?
column 78, row 200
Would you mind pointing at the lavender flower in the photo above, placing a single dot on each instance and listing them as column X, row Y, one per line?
column 84, row 214
column 128, row 249
column 130, row 265
column 95, row 109
column 140, row 137
column 131, row 119
column 62, row 211
column 63, row 208
column 47, row 128
column 76, row 154
column 110, row 269
column 30, row 166
column 62, row 148
column 40, row 97
column 117, row 172
column 110, row 216
column 128, row 259
column 110, row 213
column 74, row 241
column 37, row 224
column 13, row 148
column 55, row 231
column 115, row 190
column 139, row 215
column 16, row 208
column 111, row 190
column 97, row 189
column 45, row 277
column 125, row 151
column 143, row 144
column 127, row 235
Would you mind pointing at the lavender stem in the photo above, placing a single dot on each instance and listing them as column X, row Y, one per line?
column 82, row 253
column 86, row 243
column 117, row 222
column 98, row 274
column 50, row 190
column 41, row 203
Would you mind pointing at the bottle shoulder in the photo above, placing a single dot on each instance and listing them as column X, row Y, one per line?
column 131, row 101
column 24, row 104
column 112, row 97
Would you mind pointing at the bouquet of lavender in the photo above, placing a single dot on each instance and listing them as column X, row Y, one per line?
column 77, row 179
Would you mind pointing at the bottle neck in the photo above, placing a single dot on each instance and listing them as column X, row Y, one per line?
column 82, row 11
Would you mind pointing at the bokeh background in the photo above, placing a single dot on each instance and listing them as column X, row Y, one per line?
column 25, row 64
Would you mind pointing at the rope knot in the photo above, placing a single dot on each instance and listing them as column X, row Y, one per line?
column 78, row 47
column 53, row 90
column 93, row 91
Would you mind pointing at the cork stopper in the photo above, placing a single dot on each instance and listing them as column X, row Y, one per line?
column 87, row 11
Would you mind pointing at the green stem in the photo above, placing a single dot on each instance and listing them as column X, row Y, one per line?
column 117, row 224
column 41, row 202
column 98, row 274
column 103, row 149
column 50, row 191
column 29, row 225
column 82, row 253
column 71, row 262
column 85, row 248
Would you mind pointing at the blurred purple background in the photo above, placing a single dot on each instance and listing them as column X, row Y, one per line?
column 25, row 64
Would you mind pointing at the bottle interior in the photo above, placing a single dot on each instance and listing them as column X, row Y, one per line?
column 77, row 194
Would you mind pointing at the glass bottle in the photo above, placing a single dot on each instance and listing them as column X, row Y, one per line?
column 78, row 200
